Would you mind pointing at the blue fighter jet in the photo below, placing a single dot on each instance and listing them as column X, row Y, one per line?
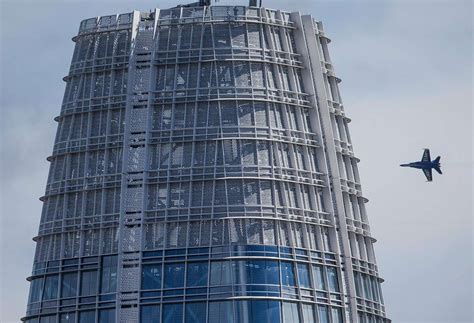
column 426, row 164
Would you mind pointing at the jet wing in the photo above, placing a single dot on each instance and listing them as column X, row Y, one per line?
column 428, row 174
column 426, row 156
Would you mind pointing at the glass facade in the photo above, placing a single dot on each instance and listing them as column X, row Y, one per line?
column 203, row 172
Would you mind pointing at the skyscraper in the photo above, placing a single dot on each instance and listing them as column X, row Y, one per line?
column 203, row 172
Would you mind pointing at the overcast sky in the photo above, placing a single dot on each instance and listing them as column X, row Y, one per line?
column 407, row 84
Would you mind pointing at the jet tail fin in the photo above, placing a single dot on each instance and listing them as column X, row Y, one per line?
column 437, row 167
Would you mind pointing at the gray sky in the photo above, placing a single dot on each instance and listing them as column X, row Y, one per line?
column 407, row 84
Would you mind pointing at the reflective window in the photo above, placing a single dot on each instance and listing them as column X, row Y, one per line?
column 323, row 314
column 89, row 283
column 336, row 315
column 221, row 273
column 108, row 282
column 318, row 277
column 308, row 313
column 36, row 290
column 87, row 317
column 290, row 312
column 332, row 279
column 221, row 312
column 150, row 314
column 196, row 312
column 303, row 275
column 48, row 319
column 197, row 274
column 287, row 274
column 68, row 318
column 257, row 311
column 256, row 272
column 173, row 313
column 51, row 287
column 69, row 285
column 107, row 316
column 151, row 277
column 174, row 275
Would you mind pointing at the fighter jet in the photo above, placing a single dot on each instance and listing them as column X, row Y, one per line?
column 426, row 164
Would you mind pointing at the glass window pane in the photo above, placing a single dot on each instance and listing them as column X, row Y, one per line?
column 173, row 313
column 264, row 311
column 150, row 314
column 151, row 277
column 107, row 316
column 87, row 317
column 89, row 283
column 303, row 275
column 51, row 287
column 197, row 274
column 36, row 290
column 221, row 312
column 69, row 285
column 220, row 273
column 48, row 319
column 290, row 312
column 68, row 318
column 332, row 279
column 336, row 315
column 287, row 274
column 108, row 280
column 174, row 275
column 323, row 314
column 256, row 272
column 196, row 312
column 319, row 277
column 308, row 313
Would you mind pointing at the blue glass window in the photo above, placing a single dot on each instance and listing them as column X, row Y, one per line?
column 68, row 317
column 332, row 279
column 358, row 284
column 89, row 283
column 48, row 319
column 290, row 312
column 151, row 277
column 318, row 277
column 221, row 312
column 87, row 317
column 220, row 273
column 173, row 313
column 287, row 274
column 323, row 314
column 197, row 274
column 336, row 315
column 36, row 290
column 69, row 285
column 51, row 287
column 303, row 275
column 107, row 316
column 174, row 275
column 150, row 314
column 264, row 311
column 196, row 312
column 256, row 272
column 308, row 313
column 108, row 282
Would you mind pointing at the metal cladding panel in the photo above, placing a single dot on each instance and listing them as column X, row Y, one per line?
column 203, row 171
